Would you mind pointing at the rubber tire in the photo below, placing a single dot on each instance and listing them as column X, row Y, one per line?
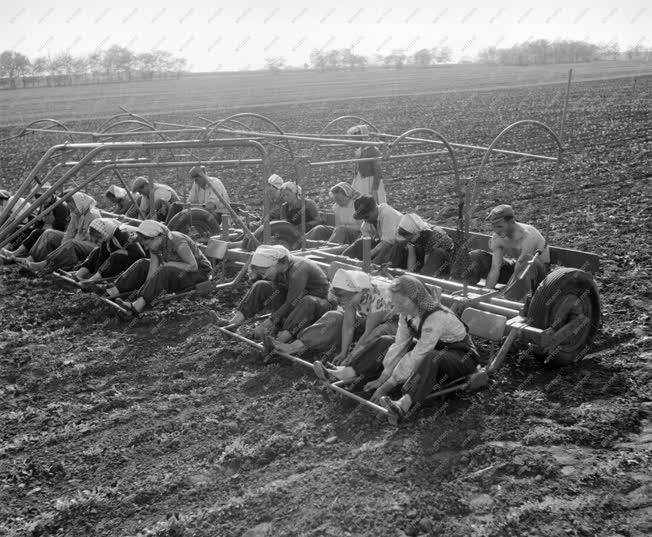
column 282, row 232
column 203, row 222
column 558, row 285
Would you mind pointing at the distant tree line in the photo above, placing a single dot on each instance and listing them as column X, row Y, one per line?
column 346, row 59
column 112, row 65
column 542, row 52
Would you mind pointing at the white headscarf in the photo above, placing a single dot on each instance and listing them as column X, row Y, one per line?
column 276, row 181
column 152, row 229
column 267, row 256
column 351, row 280
column 105, row 227
column 118, row 192
column 348, row 190
column 359, row 129
column 413, row 223
column 83, row 202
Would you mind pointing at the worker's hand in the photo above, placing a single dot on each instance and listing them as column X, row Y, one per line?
column 339, row 358
column 264, row 328
column 380, row 392
column 372, row 385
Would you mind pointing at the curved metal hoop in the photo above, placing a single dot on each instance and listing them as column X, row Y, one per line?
column 485, row 159
column 27, row 128
column 338, row 120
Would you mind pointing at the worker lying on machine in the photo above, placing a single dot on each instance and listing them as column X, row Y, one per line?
column 63, row 250
column 513, row 245
column 164, row 196
column 57, row 219
column 381, row 225
column 115, row 252
column 293, row 288
column 432, row 347
column 175, row 263
column 430, row 249
column 121, row 202
column 203, row 192
column 366, row 311
column 347, row 228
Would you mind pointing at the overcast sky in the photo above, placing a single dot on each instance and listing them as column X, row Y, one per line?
column 218, row 35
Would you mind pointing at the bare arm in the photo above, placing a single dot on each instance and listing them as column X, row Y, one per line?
column 494, row 272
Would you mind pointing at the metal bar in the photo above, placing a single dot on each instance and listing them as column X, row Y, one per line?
column 473, row 147
column 96, row 148
column 335, row 386
column 565, row 109
column 502, row 353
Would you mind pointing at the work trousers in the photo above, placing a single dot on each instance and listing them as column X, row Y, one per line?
column 164, row 280
column 436, row 369
column 264, row 295
column 45, row 244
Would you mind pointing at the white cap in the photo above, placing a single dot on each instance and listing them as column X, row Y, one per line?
column 351, row 280
column 267, row 256
column 276, row 181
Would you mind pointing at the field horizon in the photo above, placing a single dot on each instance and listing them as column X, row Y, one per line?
column 218, row 92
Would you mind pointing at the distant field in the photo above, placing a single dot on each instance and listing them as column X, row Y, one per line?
column 223, row 91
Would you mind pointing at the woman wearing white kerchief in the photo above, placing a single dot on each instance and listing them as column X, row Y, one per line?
column 430, row 249
column 367, row 312
column 293, row 288
column 114, row 254
column 121, row 201
column 273, row 193
column 175, row 264
column 57, row 250
column 347, row 228
column 368, row 176
column 292, row 197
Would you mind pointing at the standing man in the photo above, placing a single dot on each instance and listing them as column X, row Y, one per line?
column 513, row 244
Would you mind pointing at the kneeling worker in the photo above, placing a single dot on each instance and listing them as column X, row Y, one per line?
column 293, row 288
column 513, row 244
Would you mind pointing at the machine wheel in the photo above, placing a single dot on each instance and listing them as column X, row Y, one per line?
column 195, row 222
column 569, row 298
column 282, row 232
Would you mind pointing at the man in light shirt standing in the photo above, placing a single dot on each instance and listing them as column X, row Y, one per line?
column 513, row 244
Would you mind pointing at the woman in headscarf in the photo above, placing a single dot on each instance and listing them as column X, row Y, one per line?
column 114, row 254
column 59, row 250
column 368, row 176
column 367, row 312
column 121, row 201
column 175, row 263
column 273, row 193
column 57, row 219
column 432, row 347
column 293, row 288
column 430, row 249
column 292, row 196
column 347, row 228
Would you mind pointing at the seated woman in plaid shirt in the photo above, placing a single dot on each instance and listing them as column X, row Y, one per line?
column 430, row 249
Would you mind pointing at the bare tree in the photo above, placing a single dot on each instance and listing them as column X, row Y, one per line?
column 13, row 65
column 275, row 64
column 422, row 58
